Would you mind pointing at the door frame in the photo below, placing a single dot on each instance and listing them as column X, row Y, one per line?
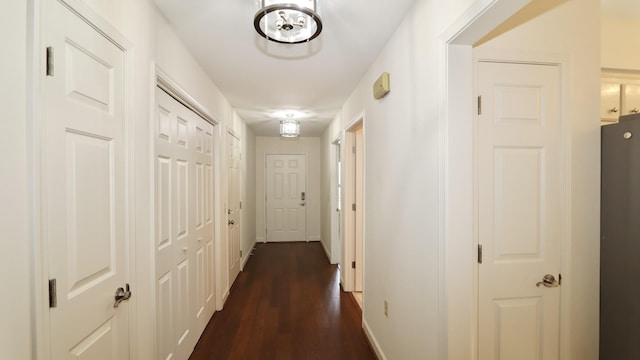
column 266, row 199
column 230, row 132
column 336, row 216
column 348, row 221
column 458, row 268
column 164, row 81
column 37, row 117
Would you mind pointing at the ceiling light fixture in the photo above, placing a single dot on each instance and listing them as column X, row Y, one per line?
column 288, row 21
column 289, row 128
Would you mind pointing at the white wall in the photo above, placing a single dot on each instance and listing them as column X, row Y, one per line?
column 15, row 257
column 571, row 30
column 620, row 46
column 328, row 204
column 326, row 161
column 153, row 43
column 401, row 213
column 402, row 263
column 303, row 145
column 248, row 192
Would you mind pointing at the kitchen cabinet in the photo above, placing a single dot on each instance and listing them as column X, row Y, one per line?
column 619, row 95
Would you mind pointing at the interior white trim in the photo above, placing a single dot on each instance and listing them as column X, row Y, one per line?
column 373, row 341
column 246, row 257
column 171, row 87
column 348, row 218
column 456, row 252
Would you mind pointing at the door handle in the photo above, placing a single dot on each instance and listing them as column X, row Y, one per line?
column 548, row 281
column 231, row 222
column 302, row 204
column 122, row 295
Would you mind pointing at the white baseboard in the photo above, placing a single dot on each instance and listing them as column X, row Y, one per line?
column 314, row 238
column 326, row 251
column 260, row 240
column 225, row 295
column 246, row 256
column 372, row 340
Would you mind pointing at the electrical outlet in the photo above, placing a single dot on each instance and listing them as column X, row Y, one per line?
column 386, row 308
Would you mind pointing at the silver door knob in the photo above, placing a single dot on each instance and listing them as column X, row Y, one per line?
column 122, row 295
column 302, row 204
column 549, row 281
column 231, row 222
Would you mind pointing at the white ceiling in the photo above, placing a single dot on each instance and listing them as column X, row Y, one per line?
column 261, row 79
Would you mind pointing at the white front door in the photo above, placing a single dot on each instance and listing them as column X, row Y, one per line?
column 233, row 212
column 85, row 189
column 520, row 198
column 286, row 198
column 184, row 227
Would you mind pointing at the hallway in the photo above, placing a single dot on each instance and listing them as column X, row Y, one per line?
column 286, row 304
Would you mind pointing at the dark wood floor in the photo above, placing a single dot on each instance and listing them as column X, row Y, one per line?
column 286, row 304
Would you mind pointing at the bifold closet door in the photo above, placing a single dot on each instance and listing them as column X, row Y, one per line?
column 184, row 227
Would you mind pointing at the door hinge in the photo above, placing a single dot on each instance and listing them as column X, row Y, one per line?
column 53, row 293
column 240, row 253
column 353, row 264
column 240, row 204
column 228, row 211
column 353, row 149
column 353, row 207
column 479, row 105
column 49, row 61
column 479, row 254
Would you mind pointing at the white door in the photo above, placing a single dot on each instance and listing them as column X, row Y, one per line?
column 184, row 227
column 85, row 195
column 286, row 198
column 520, row 165
column 233, row 212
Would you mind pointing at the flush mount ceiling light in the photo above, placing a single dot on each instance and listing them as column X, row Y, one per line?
column 289, row 128
column 288, row 21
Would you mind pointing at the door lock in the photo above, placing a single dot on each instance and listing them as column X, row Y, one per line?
column 548, row 281
column 122, row 295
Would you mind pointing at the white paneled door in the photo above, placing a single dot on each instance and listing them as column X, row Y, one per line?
column 85, row 189
column 234, row 207
column 184, row 227
column 520, row 189
column 286, row 198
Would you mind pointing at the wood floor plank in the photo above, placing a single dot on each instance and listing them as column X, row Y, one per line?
column 286, row 304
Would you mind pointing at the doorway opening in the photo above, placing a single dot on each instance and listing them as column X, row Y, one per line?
column 353, row 210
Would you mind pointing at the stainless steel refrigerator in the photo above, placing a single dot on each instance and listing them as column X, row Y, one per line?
column 620, row 240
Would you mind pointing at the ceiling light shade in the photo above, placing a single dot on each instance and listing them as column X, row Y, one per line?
column 289, row 128
column 288, row 21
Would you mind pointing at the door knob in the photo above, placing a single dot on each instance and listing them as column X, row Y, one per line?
column 231, row 222
column 122, row 295
column 549, row 281
column 302, row 204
